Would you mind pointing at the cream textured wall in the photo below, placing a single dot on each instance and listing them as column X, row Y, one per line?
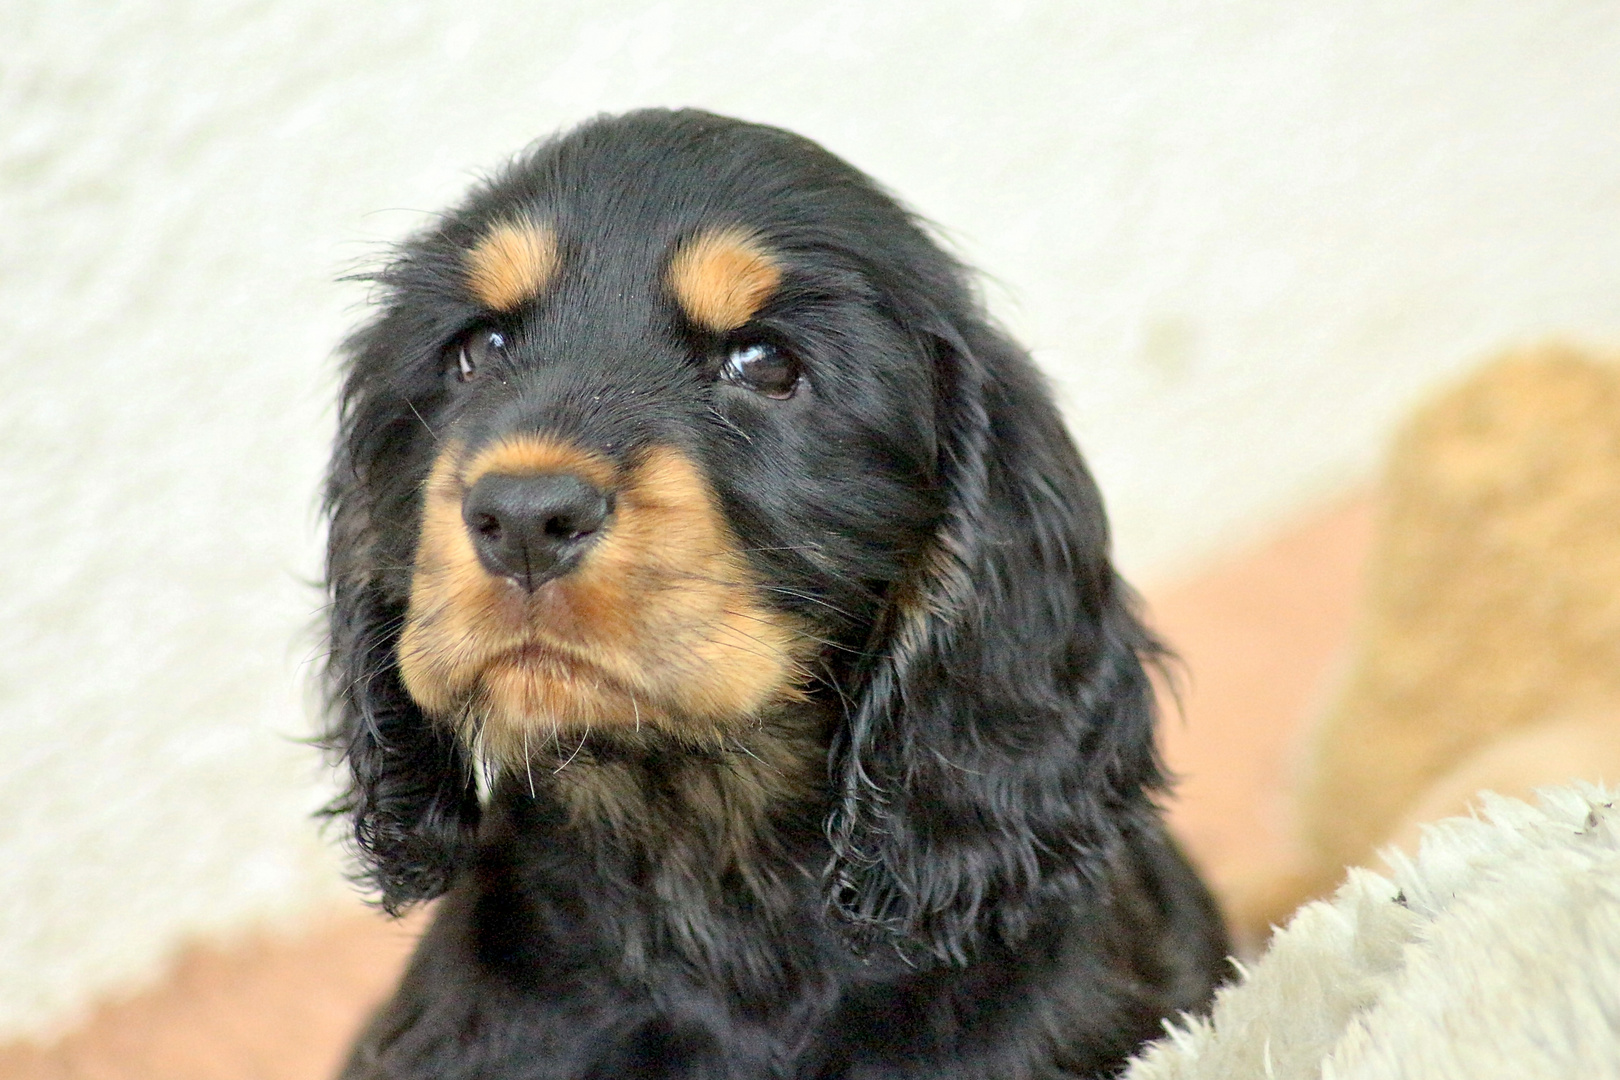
column 1241, row 237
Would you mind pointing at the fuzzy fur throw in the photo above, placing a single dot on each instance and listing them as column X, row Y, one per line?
column 1495, row 953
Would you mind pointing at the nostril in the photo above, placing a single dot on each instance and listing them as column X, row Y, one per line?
column 564, row 528
column 487, row 525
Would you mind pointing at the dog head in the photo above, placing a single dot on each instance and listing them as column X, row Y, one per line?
column 679, row 424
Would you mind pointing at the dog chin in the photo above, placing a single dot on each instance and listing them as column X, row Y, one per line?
column 536, row 701
column 537, row 687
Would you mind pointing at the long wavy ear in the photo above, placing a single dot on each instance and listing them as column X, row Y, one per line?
column 1004, row 737
column 410, row 790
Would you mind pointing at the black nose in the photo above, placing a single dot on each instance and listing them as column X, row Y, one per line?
column 535, row 527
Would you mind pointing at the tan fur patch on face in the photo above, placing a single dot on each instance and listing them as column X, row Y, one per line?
column 722, row 278
column 660, row 625
column 532, row 454
column 514, row 262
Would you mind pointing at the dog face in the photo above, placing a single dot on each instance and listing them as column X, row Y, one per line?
column 681, row 423
column 672, row 443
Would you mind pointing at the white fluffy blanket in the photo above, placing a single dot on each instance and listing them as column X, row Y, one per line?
column 1495, row 953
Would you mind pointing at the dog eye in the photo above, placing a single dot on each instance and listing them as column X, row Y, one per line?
column 764, row 369
column 476, row 351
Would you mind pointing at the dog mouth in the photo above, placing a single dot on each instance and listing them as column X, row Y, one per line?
column 564, row 672
column 542, row 659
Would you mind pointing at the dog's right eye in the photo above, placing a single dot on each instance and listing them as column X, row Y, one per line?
column 476, row 351
column 764, row 369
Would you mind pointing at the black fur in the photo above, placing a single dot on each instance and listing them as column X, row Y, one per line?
column 983, row 887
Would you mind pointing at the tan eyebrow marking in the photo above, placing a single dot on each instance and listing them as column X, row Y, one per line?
column 513, row 262
column 723, row 277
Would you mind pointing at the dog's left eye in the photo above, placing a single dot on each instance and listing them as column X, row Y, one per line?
column 763, row 368
column 475, row 351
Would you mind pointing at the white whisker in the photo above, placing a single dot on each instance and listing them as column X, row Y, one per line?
column 528, row 761
column 575, row 754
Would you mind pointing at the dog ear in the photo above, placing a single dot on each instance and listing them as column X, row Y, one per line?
column 1003, row 738
column 410, row 791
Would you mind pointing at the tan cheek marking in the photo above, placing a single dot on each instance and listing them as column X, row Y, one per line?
column 708, row 618
column 514, row 262
column 722, row 278
column 443, row 588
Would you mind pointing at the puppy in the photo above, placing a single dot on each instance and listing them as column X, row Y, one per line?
column 722, row 624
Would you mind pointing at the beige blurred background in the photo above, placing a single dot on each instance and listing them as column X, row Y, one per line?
column 1241, row 237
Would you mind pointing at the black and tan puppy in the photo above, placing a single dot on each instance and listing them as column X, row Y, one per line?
column 723, row 623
